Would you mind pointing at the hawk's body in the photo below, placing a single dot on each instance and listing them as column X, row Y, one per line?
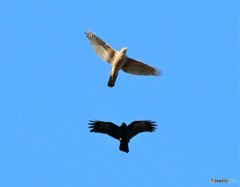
column 123, row 133
column 119, row 60
column 117, row 64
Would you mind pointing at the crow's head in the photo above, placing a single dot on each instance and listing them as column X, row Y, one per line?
column 123, row 124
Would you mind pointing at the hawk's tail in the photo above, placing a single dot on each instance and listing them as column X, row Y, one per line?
column 112, row 80
column 124, row 147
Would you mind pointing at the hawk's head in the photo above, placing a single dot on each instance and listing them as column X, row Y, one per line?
column 124, row 50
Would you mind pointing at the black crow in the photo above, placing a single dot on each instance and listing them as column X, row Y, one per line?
column 123, row 133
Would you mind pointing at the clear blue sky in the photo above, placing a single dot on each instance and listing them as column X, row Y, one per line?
column 52, row 83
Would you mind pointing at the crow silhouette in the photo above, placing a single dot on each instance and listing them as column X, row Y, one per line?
column 123, row 133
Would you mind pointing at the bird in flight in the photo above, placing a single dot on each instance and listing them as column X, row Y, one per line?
column 119, row 59
column 123, row 133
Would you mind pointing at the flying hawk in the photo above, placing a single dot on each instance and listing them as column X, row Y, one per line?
column 123, row 133
column 119, row 59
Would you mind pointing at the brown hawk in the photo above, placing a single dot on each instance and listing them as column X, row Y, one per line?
column 119, row 59
column 123, row 133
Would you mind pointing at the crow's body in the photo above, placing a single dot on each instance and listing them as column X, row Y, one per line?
column 123, row 133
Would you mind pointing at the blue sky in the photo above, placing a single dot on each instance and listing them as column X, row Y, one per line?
column 53, row 83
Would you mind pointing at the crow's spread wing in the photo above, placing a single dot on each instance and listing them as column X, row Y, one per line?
column 104, row 127
column 141, row 126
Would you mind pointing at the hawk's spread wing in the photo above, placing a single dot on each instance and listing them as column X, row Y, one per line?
column 141, row 126
column 104, row 51
column 104, row 127
column 138, row 68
